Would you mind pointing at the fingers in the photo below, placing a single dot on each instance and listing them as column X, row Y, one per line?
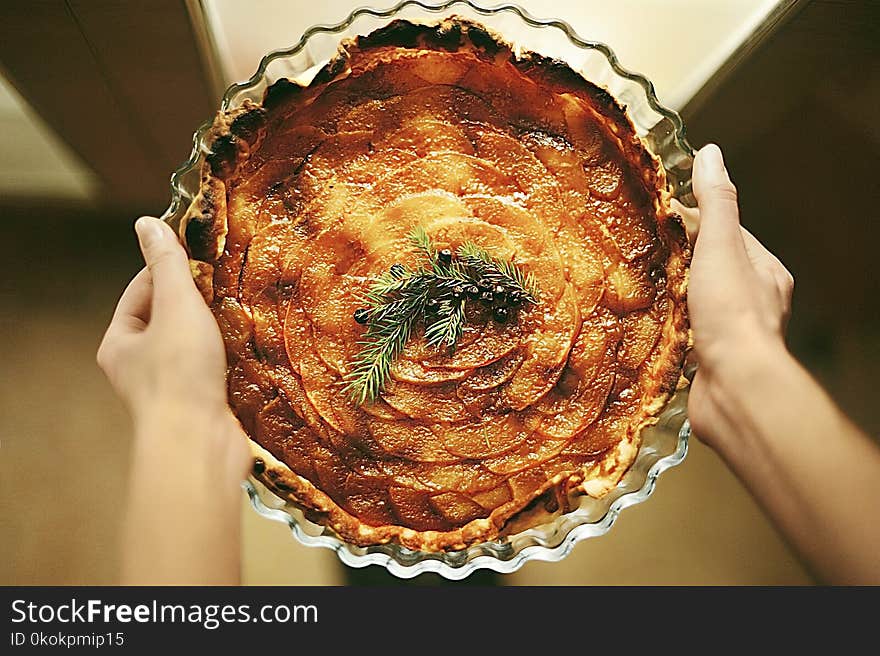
column 131, row 316
column 757, row 252
column 133, row 308
column 691, row 217
column 166, row 261
column 720, row 235
column 761, row 257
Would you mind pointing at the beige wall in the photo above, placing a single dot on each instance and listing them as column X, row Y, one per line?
column 678, row 44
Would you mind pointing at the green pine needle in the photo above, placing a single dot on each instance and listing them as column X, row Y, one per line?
column 420, row 240
column 447, row 329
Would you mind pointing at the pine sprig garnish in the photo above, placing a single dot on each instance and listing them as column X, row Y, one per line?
column 449, row 326
column 420, row 240
column 390, row 323
column 367, row 378
column 386, row 288
column 500, row 271
column 435, row 296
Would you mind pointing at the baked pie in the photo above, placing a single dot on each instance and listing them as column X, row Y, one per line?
column 309, row 197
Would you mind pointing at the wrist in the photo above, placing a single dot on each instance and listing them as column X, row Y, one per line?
column 175, row 421
column 737, row 375
column 737, row 344
column 731, row 387
column 200, row 438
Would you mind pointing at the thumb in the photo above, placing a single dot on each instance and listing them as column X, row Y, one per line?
column 719, row 232
column 166, row 260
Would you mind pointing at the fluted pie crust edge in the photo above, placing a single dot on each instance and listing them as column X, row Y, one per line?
column 237, row 132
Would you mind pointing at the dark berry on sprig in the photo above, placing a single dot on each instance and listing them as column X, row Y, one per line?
column 515, row 299
column 397, row 270
column 433, row 305
column 458, row 292
column 500, row 293
column 445, row 256
column 484, row 284
column 500, row 314
column 362, row 315
column 472, row 291
column 486, row 297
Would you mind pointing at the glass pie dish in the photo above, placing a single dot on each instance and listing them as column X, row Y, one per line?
column 662, row 445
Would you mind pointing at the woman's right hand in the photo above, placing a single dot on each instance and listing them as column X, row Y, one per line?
column 739, row 293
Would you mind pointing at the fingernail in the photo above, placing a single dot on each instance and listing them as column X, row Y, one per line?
column 711, row 162
column 149, row 230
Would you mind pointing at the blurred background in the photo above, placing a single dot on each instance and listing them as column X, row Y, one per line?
column 98, row 102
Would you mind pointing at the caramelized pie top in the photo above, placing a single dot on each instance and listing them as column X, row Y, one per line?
column 307, row 196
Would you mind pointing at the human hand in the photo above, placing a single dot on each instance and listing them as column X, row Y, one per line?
column 163, row 352
column 739, row 293
column 759, row 409
column 164, row 356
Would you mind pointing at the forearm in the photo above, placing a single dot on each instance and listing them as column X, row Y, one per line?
column 814, row 472
column 183, row 515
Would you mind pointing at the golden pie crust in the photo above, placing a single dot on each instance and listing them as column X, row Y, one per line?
column 309, row 194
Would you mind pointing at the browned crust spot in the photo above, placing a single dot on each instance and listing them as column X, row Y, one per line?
column 203, row 228
column 203, row 275
column 236, row 133
column 232, row 137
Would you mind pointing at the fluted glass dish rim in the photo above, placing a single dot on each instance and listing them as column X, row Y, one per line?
column 662, row 446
